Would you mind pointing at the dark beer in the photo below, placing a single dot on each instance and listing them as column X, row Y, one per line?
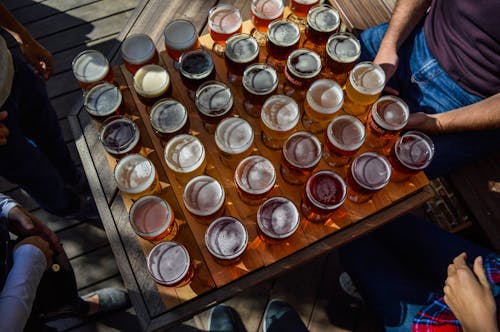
column 226, row 239
column 204, row 198
column 301, row 154
column 119, row 136
column 180, row 37
column 241, row 50
column 411, row 153
column 254, row 177
column 138, row 50
column 214, row 101
column 169, row 264
column 103, row 100
column 300, row 8
column 368, row 173
column 277, row 219
column 260, row 81
column 302, row 68
column 168, row 118
column 342, row 51
column 196, row 67
column 322, row 22
column 282, row 38
column 152, row 218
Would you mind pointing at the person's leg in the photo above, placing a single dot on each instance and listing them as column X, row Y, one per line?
column 280, row 316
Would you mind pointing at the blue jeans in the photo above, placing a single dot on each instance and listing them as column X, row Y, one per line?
column 426, row 87
column 35, row 156
column 399, row 266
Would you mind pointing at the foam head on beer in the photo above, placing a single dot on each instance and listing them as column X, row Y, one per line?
column 226, row 238
column 168, row 116
column 103, row 100
column 323, row 19
column 346, row 133
column 278, row 218
column 196, row 65
column 280, row 113
column 119, row 135
column 343, row 50
column 214, row 99
column 151, row 217
column 90, row 66
column 180, row 36
column 134, row 174
column 266, row 11
column 223, row 21
column 234, row 135
column 169, row 263
column 184, row 153
column 255, row 175
column 371, row 170
column 138, row 49
column 241, row 49
column 260, row 79
column 325, row 96
column 151, row 81
column 203, row 196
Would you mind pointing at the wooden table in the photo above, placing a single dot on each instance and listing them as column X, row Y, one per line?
column 160, row 307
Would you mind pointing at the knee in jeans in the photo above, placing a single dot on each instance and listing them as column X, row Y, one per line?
column 370, row 40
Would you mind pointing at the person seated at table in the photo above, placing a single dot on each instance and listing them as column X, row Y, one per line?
column 33, row 289
column 33, row 153
column 443, row 59
column 416, row 277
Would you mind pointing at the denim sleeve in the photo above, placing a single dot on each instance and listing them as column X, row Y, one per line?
column 6, row 204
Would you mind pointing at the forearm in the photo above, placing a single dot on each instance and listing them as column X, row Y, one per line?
column 6, row 204
column 13, row 26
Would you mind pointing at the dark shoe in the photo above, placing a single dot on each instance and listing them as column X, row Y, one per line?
column 223, row 318
column 346, row 305
column 282, row 317
column 110, row 300
column 87, row 211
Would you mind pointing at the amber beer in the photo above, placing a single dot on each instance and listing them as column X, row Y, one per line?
column 168, row 118
column 277, row 219
column 153, row 219
column 226, row 239
column 387, row 118
column 260, row 81
column 301, row 8
column 169, row 264
column 204, row 198
column 325, row 191
column 303, row 67
column 119, row 136
column 323, row 101
column 90, row 67
column 196, row 67
column 224, row 20
column 180, row 36
column 300, row 155
column 185, row 156
column 322, row 22
column 214, row 102
column 136, row 176
column 138, row 50
column 241, row 50
column 343, row 138
column 234, row 139
column 255, row 177
column 342, row 51
column 411, row 153
column 264, row 12
column 368, row 173
column 103, row 100
column 279, row 118
column 282, row 38
column 151, row 83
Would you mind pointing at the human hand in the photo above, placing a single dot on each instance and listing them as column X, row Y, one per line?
column 4, row 131
column 41, row 244
column 388, row 59
column 38, row 56
column 469, row 296
column 427, row 123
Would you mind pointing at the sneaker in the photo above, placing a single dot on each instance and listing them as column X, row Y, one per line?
column 345, row 306
column 348, row 286
column 223, row 318
column 110, row 300
column 276, row 310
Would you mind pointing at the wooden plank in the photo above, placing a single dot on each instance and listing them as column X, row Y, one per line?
column 65, row 103
column 6, row 186
column 15, row 4
column 363, row 14
column 61, row 84
column 23, row 198
column 55, row 223
column 94, row 267
column 83, row 238
column 48, row 8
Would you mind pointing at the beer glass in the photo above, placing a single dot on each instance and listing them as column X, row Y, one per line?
column 283, row 37
column 260, row 81
column 168, row 118
column 300, row 9
column 279, row 118
column 343, row 138
column 180, row 36
column 119, row 136
column 136, row 176
column 241, row 51
column 411, row 153
column 323, row 100
column 103, row 100
column 364, row 86
column 234, row 139
column 91, row 67
column 151, row 83
column 153, row 219
column 224, row 20
column 303, row 67
column 169, row 264
column 277, row 219
column 300, row 156
column 342, row 51
column 368, row 173
column 322, row 22
column 254, row 177
column 226, row 239
column 214, row 102
column 387, row 118
column 264, row 12
column 204, row 198
column 196, row 67
column 185, row 157
column 325, row 191
column 138, row 50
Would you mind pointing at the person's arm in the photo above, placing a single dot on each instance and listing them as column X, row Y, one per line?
column 35, row 53
column 6, row 204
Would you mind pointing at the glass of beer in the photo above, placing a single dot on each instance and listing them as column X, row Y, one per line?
column 325, row 191
column 224, row 20
column 303, row 67
column 279, row 119
column 234, row 139
column 387, row 118
column 91, row 67
column 103, row 100
column 241, row 51
column 342, row 51
column 283, row 37
column 185, row 156
column 343, row 138
column 301, row 154
column 138, row 50
column 368, row 173
column 255, row 177
column 411, row 153
column 277, row 219
column 300, row 9
column 322, row 22
column 214, row 102
column 226, row 239
column 264, row 12
column 323, row 100
column 204, row 198
column 196, row 67
column 169, row 264
column 168, row 118
column 120, row 136
column 152, row 218
column 136, row 176
column 180, row 36
column 151, row 83
column 260, row 81
column 364, row 86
